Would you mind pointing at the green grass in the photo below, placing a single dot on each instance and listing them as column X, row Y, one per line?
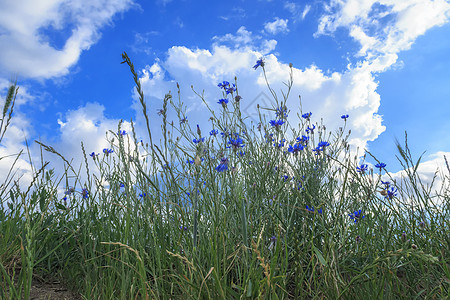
column 153, row 226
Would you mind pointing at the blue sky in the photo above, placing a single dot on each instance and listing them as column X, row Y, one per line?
column 385, row 63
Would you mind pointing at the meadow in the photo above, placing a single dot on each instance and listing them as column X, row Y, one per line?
column 240, row 210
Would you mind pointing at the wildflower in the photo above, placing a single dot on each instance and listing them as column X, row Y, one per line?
column 223, row 102
column 223, row 166
column 190, row 161
column 230, row 89
column 310, row 209
column 303, row 140
column 276, row 123
column 85, row 193
column 122, row 185
column 214, row 132
column 281, row 112
column 356, row 216
column 323, row 144
column 160, row 111
column 259, row 62
column 307, row 115
column 362, row 168
column 236, row 143
column 69, row 191
column 380, row 166
column 391, row 192
column 309, row 129
column 199, row 140
column 295, row 148
column 122, row 132
column 107, row 151
column 184, row 120
column 142, row 195
column 345, row 117
column 386, row 183
column 93, row 155
column 237, row 98
column 273, row 239
column 241, row 153
column 184, row 228
column 223, row 85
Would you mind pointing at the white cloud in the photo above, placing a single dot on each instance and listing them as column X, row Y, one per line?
column 277, row 26
column 25, row 48
column 244, row 39
column 306, row 11
column 384, row 28
column 296, row 11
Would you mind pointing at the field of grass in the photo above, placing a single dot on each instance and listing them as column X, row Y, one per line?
column 270, row 210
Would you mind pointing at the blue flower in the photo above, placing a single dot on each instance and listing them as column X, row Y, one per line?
column 362, row 168
column 85, row 193
column 142, row 195
column 123, row 132
column 303, row 140
column 311, row 209
column 323, row 144
column 281, row 112
column 223, row 166
column 307, row 115
column 276, row 123
column 280, row 144
column 296, row 148
column 391, row 192
column 214, row 132
column 230, row 89
column 223, row 85
column 223, row 102
column 380, row 166
column 190, row 161
column 259, row 62
column 199, row 140
column 108, row 151
column 184, row 228
column 356, row 216
column 309, row 129
column 93, row 155
column 344, row 117
column 184, row 120
column 236, row 143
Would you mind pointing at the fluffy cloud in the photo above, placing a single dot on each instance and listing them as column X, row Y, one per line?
column 277, row 26
column 25, row 48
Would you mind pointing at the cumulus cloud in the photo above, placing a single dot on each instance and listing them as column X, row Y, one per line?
column 386, row 27
column 26, row 49
column 277, row 26
column 245, row 39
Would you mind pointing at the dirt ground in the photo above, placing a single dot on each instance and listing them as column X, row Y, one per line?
column 51, row 291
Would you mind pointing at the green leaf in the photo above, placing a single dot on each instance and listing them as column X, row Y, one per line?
column 320, row 257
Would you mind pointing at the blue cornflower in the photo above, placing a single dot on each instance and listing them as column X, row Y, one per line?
column 184, row 120
column 280, row 144
column 356, row 216
column 214, row 132
column 85, row 193
column 345, row 117
column 281, row 112
column 362, row 168
column 223, row 102
column 276, row 123
column 307, row 115
column 259, row 62
column 303, row 140
column 236, row 143
column 69, row 191
column 199, row 140
column 269, row 138
column 310, row 129
column 311, row 209
column 285, row 178
column 224, row 84
column 296, row 148
column 93, row 155
column 380, row 166
column 391, row 192
column 142, row 195
column 122, row 185
column 190, row 161
column 241, row 153
column 223, row 166
column 273, row 239
column 122, row 132
column 386, row 183
column 108, row 151
column 323, row 144
column 184, row 228
column 230, row 89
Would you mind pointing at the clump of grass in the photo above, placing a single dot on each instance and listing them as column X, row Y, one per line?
column 238, row 210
